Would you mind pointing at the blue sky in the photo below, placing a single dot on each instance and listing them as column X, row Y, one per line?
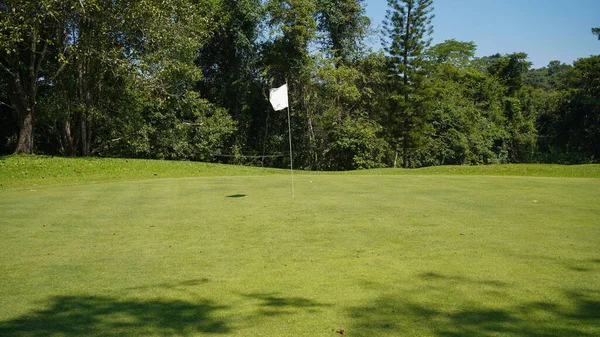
column 545, row 29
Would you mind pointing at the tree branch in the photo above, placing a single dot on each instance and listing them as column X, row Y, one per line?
column 6, row 69
column 8, row 105
column 42, row 56
column 33, row 56
column 66, row 50
column 60, row 69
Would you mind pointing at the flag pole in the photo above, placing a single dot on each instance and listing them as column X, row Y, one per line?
column 290, row 137
column 278, row 97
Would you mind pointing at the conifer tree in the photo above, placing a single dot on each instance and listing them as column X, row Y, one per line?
column 407, row 28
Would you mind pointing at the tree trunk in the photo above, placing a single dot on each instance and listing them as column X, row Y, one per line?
column 24, row 86
column 84, row 135
column 265, row 137
column 70, row 148
column 25, row 142
column 405, row 140
column 24, row 106
column 311, row 131
column 405, row 144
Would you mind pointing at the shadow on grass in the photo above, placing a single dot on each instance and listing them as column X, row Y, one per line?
column 273, row 305
column 105, row 316
column 175, row 286
column 420, row 314
column 237, row 196
column 459, row 279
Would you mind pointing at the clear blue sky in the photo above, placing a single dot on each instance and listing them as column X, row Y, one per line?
column 545, row 29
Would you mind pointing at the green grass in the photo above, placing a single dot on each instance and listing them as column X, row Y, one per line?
column 21, row 171
column 523, row 170
column 218, row 250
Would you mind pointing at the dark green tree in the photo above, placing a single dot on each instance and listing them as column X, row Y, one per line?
column 466, row 118
column 408, row 27
column 294, row 26
column 231, row 71
column 68, row 64
column 596, row 31
column 348, row 134
column 550, row 77
column 453, row 52
column 29, row 31
column 519, row 114
column 8, row 125
column 510, row 70
column 579, row 129
column 286, row 57
column 344, row 25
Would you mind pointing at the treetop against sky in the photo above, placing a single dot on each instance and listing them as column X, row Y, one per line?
column 545, row 29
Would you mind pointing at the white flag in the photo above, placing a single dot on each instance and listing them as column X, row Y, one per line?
column 279, row 97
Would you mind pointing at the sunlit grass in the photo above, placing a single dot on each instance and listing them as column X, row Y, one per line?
column 21, row 171
column 234, row 255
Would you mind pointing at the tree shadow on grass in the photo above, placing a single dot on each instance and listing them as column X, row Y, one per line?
column 182, row 285
column 104, row 316
column 274, row 305
column 419, row 314
column 460, row 279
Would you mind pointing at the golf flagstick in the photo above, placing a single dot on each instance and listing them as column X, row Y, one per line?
column 279, row 100
column 291, row 157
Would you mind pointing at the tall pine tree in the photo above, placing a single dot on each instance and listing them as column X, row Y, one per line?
column 407, row 28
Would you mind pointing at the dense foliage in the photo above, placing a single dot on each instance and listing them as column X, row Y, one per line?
column 189, row 80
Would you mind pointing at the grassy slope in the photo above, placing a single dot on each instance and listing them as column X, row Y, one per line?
column 377, row 255
column 18, row 172
column 524, row 170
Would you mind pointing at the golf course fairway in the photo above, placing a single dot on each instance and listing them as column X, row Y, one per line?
column 430, row 254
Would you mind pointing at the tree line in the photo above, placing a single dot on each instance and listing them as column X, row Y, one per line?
column 189, row 80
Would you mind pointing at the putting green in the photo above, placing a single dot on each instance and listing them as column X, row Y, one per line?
column 375, row 255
